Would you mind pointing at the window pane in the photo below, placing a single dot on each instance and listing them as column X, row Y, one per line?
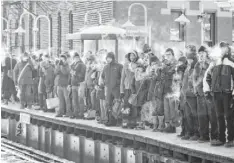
column 90, row 45
column 207, row 28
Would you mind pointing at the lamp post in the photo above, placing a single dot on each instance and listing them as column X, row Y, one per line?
column 183, row 20
column 20, row 29
column 8, row 33
column 35, row 29
column 129, row 23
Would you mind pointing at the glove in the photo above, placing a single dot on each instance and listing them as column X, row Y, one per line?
column 122, row 95
column 69, row 88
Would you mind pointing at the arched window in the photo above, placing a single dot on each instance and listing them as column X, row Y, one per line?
column 70, row 29
column 59, row 33
column 51, row 31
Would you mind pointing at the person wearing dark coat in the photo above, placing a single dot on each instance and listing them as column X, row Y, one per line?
column 181, row 67
column 8, row 85
column 140, row 87
column 205, row 106
column 190, row 107
column 46, row 81
column 62, row 71
column 77, row 75
column 218, row 82
column 23, row 77
column 111, row 76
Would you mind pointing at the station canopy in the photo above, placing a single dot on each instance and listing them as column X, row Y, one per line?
column 97, row 33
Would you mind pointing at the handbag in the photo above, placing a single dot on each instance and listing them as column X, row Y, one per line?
column 133, row 98
column 52, row 103
column 116, row 109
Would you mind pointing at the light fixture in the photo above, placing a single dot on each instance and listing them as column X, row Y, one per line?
column 20, row 30
column 182, row 19
column 128, row 24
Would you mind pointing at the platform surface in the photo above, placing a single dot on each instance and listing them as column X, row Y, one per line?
column 171, row 139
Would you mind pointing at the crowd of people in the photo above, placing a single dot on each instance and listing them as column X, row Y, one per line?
column 194, row 91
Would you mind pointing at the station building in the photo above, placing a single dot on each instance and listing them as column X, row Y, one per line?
column 158, row 17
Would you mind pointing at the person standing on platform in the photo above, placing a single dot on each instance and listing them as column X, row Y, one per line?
column 219, row 82
column 23, row 77
column 167, row 73
column 190, row 107
column 8, row 85
column 46, row 82
column 77, row 75
column 127, row 76
column 36, row 63
column 181, row 67
column 62, row 71
column 205, row 106
column 112, row 78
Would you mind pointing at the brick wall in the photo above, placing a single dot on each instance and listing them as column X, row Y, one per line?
column 79, row 9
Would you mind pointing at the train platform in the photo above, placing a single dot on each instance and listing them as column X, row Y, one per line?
column 159, row 140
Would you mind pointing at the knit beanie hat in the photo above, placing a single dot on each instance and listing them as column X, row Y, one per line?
column 192, row 48
column 110, row 55
column 153, row 59
column 183, row 60
column 223, row 44
column 76, row 55
column 63, row 56
column 202, row 49
column 25, row 54
column 146, row 48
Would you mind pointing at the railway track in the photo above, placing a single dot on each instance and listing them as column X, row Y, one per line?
column 17, row 153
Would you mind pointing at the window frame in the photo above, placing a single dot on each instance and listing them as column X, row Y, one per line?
column 59, row 32
column 213, row 32
column 70, row 29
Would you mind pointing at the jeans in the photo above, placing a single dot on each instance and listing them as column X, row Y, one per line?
column 190, row 111
column 77, row 102
column 103, row 109
column 206, row 115
column 224, row 112
column 64, row 101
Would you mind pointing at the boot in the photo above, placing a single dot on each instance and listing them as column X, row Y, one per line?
column 155, row 125
column 161, row 124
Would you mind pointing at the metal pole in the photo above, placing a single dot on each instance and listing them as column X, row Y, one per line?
column 145, row 14
column 49, row 29
column 20, row 24
column 202, row 24
column 8, row 34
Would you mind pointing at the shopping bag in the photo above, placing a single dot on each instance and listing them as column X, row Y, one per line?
column 90, row 114
column 52, row 103
column 118, row 104
column 133, row 99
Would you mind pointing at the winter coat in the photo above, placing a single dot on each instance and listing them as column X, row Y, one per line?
column 91, row 78
column 111, row 75
column 165, row 79
column 47, row 77
column 141, row 87
column 27, row 74
column 198, row 75
column 187, row 84
column 219, row 76
column 8, row 65
column 78, row 71
column 126, row 78
column 62, row 73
